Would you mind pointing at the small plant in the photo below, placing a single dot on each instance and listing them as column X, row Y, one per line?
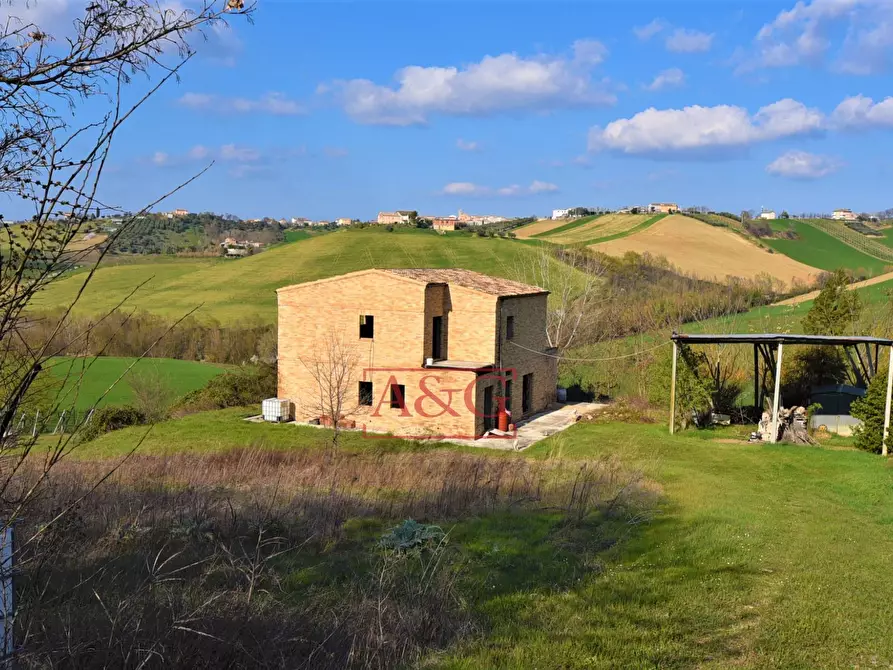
column 411, row 535
column 107, row 419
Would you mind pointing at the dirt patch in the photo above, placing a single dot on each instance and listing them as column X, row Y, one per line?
column 708, row 252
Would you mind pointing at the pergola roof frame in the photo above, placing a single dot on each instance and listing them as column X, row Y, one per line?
column 763, row 343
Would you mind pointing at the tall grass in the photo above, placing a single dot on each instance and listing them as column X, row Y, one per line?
column 259, row 558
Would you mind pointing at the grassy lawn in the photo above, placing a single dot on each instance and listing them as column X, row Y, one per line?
column 762, row 557
column 87, row 379
column 231, row 291
column 759, row 556
column 821, row 250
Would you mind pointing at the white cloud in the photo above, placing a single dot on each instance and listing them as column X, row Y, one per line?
column 467, row 145
column 231, row 152
column 802, row 165
column 670, row 78
column 160, row 158
column 682, row 40
column 335, row 152
column 502, row 83
column 470, row 189
column 800, row 35
column 274, row 103
column 648, row 31
column 860, row 111
column 696, row 128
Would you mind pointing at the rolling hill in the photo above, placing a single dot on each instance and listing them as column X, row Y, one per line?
column 707, row 251
column 233, row 290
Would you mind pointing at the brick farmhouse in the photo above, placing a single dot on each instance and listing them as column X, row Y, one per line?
column 434, row 352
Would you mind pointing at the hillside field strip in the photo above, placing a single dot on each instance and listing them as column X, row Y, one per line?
column 818, row 249
column 862, row 243
column 708, row 251
column 538, row 228
column 603, row 226
column 232, row 291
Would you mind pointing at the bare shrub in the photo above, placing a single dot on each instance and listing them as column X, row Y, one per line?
column 153, row 393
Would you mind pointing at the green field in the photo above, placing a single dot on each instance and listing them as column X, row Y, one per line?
column 242, row 289
column 758, row 556
column 876, row 247
column 821, row 250
column 85, row 380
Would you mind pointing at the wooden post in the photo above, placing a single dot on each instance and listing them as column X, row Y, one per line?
column 887, row 406
column 673, row 391
column 757, row 386
column 777, row 393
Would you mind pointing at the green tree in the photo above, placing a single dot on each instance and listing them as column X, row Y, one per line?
column 835, row 310
column 785, row 215
column 870, row 409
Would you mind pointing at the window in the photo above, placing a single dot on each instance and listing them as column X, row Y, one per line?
column 510, row 328
column 398, row 396
column 366, row 393
column 367, row 327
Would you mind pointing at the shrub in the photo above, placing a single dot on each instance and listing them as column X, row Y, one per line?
column 411, row 535
column 107, row 419
column 870, row 409
column 152, row 393
column 248, row 386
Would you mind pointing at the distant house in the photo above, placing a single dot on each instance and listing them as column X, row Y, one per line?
column 343, row 221
column 844, row 215
column 444, row 223
column 180, row 212
column 560, row 213
column 768, row 214
column 235, row 252
column 663, row 208
column 299, row 221
column 400, row 216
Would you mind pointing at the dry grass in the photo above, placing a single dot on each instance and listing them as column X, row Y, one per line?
column 257, row 558
column 709, row 252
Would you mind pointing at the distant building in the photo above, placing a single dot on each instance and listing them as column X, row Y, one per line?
column 180, row 212
column 299, row 221
column 663, row 208
column 844, row 215
column 444, row 223
column 560, row 213
column 236, row 252
column 768, row 214
column 343, row 221
column 400, row 216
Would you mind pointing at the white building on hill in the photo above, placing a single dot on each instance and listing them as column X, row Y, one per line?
column 560, row 213
column 844, row 215
column 768, row 214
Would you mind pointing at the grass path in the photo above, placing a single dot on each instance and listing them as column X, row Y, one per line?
column 812, row 295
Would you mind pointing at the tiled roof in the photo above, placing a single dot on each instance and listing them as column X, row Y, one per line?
column 468, row 279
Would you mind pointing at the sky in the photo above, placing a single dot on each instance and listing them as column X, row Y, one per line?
column 342, row 109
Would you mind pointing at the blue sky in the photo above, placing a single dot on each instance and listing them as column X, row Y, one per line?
column 347, row 108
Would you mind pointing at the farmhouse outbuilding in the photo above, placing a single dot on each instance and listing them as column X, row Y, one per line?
column 768, row 348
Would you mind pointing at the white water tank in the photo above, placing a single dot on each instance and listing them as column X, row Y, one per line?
column 275, row 409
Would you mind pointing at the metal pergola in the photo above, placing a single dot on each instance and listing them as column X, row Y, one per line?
column 863, row 353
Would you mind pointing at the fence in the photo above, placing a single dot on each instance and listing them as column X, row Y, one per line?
column 53, row 423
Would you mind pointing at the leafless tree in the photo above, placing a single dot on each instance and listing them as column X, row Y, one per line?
column 334, row 366
column 55, row 166
column 576, row 290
